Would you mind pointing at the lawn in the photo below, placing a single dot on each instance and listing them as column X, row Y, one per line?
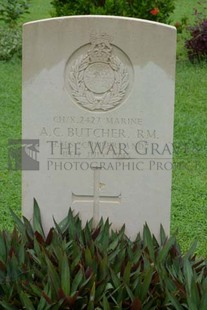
column 189, row 188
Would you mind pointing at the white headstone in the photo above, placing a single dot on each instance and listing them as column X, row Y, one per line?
column 98, row 98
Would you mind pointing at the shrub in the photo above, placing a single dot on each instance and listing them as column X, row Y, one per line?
column 196, row 45
column 158, row 10
column 86, row 268
column 10, row 42
column 182, row 25
column 11, row 12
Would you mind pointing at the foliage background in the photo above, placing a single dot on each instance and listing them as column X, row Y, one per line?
column 158, row 10
column 189, row 193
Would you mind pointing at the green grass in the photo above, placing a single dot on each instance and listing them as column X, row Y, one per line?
column 184, row 8
column 10, row 122
column 189, row 192
column 39, row 9
column 10, row 128
column 189, row 189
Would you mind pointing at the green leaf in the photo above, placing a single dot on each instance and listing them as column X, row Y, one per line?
column 117, row 253
column 193, row 298
column 188, row 274
column 175, row 303
column 93, row 292
column 21, row 254
column 18, row 222
column 6, row 306
column 76, row 256
column 129, row 292
column 34, row 256
column 3, row 251
column 146, row 283
column 13, row 272
column 103, row 238
column 113, row 245
column 36, row 290
column 92, row 297
column 45, row 301
column 203, row 305
column 87, row 233
column 127, row 273
column 100, row 289
column 76, row 282
column 88, row 257
column 37, row 223
column 192, row 249
column 165, row 250
column 148, row 241
column 163, row 236
column 65, row 275
column 53, row 275
column 28, row 228
column 103, row 268
column 26, row 302
column 106, row 305
column 61, row 227
column 71, row 225
column 90, row 306
column 116, row 281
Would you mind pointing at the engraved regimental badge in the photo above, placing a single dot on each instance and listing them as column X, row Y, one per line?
column 98, row 75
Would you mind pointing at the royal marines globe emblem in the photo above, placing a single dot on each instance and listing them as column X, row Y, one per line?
column 99, row 75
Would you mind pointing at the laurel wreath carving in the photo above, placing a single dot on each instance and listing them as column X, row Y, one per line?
column 90, row 100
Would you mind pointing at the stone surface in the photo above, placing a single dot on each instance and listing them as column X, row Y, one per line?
column 98, row 94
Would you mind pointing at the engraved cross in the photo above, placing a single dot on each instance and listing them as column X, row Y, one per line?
column 96, row 198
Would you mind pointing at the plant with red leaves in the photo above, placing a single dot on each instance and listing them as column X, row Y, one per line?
column 196, row 45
